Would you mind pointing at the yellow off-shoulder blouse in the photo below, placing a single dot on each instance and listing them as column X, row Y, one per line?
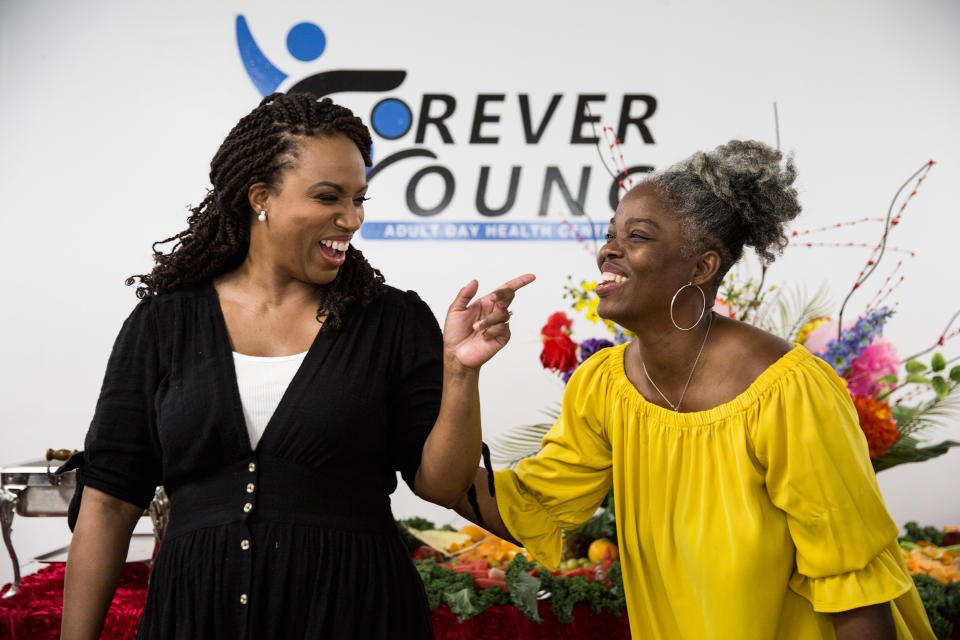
column 753, row 519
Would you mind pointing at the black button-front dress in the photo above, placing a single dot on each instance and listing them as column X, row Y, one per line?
column 296, row 538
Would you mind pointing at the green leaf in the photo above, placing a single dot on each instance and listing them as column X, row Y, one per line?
column 523, row 587
column 934, row 413
column 461, row 603
column 792, row 308
column 955, row 374
column 903, row 414
column 906, row 450
column 418, row 523
column 915, row 366
column 940, row 386
column 519, row 443
column 916, row 378
column 890, row 379
column 524, row 441
column 936, row 603
column 938, row 363
column 438, row 580
column 561, row 598
column 489, row 597
column 916, row 533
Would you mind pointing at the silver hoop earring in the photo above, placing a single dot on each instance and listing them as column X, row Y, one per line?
column 262, row 217
column 702, row 311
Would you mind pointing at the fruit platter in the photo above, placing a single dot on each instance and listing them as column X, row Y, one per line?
column 472, row 570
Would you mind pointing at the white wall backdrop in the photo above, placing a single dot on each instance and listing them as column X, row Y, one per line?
column 111, row 111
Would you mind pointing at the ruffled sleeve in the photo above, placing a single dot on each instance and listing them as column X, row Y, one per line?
column 818, row 472
column 122, row 450
column 562, row 486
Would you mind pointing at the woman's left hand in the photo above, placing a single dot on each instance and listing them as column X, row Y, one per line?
column 474, row 331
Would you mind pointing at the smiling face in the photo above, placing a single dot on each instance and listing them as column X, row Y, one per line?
column 644, row 262
column 313, row 212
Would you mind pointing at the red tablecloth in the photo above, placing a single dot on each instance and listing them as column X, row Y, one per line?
column 34, row 614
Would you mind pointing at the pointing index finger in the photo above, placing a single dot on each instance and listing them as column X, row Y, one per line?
column 518, row 282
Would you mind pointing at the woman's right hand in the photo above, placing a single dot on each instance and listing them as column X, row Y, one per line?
column 475, row 331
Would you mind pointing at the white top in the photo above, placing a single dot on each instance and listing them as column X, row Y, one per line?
column 262, row 382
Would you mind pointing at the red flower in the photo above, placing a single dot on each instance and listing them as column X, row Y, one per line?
column 878, row 425
column 558, row 324
column 559, row 353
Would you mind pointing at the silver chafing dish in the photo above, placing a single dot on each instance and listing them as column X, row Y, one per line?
column 32, row 489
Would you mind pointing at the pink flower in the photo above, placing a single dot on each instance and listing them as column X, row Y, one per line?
column 818, row 339
column 721, row 307
column 878, row 360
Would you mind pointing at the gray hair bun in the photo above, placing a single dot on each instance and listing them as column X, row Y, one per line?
column 739, row 194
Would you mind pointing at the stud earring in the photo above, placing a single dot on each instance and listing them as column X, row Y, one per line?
column 262, row 217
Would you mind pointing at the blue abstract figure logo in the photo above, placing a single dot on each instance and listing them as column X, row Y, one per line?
column 391, row 117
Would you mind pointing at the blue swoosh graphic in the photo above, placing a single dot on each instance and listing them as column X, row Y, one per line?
column 266, row 77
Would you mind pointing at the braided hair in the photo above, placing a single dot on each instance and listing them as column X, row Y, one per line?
column 737, row 195
column 257, row 149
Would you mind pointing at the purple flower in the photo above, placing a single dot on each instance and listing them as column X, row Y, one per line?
column 591, row 345
column 841, row 353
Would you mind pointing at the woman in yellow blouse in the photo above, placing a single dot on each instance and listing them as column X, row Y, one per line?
column 746, row 503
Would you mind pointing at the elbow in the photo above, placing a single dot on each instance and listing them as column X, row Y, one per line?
column 446, row 496
column 446, row 499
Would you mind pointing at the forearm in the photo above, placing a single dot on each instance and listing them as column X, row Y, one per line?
column 452, row 450
column 97, row 554
column 866, row 623
column 490, row 514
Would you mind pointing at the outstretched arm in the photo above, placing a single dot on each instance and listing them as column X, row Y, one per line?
column 473, row 333
column 492, row 521
column 98, row 551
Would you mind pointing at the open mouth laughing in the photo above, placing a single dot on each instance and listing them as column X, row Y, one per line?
column 612, row 278
column 334, row 250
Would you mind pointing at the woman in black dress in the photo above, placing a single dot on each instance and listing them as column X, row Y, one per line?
column 291, row 536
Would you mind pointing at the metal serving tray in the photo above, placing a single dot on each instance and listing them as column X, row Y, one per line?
column 32, row 489
column 36, row 490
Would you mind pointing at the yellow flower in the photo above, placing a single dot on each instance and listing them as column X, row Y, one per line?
column 592, row 310
column 587, row 304
column 807, row 328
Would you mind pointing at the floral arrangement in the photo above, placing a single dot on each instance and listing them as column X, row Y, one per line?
column 560, row 353
column 881, row 385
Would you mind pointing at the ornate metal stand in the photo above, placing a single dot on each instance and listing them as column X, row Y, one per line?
column 8, row 504
column 159, row 511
